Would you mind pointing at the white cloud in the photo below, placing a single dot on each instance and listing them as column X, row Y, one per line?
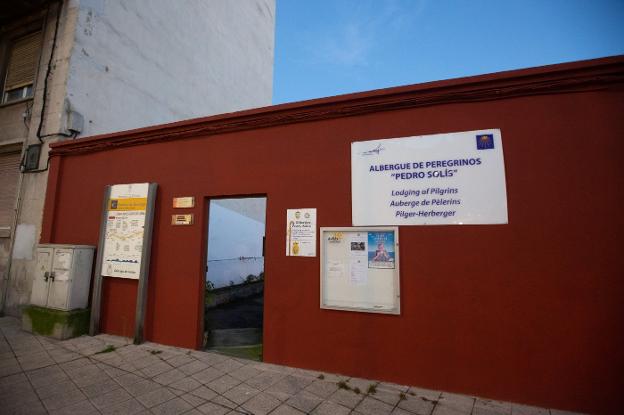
column 367, row 26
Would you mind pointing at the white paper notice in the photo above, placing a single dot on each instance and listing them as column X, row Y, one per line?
column 335, row 269
column 62, row 264
column 441, row 179
column 63, row 259
column 359, row 271
column 301, row 232
column 358, row 244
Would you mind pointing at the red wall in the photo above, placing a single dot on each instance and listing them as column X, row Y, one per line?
column 528, row 312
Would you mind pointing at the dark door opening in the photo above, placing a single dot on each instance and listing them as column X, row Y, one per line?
column 234, row 297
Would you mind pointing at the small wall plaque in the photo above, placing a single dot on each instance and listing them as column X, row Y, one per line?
column 182, row 219
column 184, row 202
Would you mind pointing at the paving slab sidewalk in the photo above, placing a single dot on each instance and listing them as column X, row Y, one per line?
column 109, row 375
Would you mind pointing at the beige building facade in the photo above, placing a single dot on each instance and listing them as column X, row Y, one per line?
column 75, row 68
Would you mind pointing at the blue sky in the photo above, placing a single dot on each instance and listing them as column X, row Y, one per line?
column 332, row 47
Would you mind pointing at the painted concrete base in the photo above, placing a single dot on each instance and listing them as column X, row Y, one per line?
column 55, row 323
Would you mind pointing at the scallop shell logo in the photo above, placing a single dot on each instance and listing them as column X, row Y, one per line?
column 335, row 237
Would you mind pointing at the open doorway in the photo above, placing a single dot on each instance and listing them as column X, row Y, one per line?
column 234, row 297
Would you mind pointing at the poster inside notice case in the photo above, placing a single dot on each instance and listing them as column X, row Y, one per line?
column 381, row 250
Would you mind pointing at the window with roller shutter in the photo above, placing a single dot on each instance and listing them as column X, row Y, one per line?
column 9, row 177
column 21, row 68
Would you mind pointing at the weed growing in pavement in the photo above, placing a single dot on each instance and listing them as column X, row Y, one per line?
column 372, row 389
column 402, row 396
column 435, row 401
column 107, row 349
column 343, row 385
column 321, row 376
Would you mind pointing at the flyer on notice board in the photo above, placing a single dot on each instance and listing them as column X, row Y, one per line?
column 381, row 250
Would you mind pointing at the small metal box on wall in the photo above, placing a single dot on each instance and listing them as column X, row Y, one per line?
column 63, row 276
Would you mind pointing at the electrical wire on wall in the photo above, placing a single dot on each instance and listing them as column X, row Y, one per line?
column 22, row 164
column 44, row 99
column 27, row 116
column 49, row 71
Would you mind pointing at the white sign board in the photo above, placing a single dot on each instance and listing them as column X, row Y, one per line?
column 301, row 232
column 125, row 222
column 441, row 179
column 360, row 269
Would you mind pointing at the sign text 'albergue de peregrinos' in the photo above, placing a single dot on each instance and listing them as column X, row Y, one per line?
column 441, row 179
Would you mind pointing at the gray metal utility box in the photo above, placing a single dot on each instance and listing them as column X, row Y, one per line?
column 63, row 276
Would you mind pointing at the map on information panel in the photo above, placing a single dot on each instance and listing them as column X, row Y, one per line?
column 125, row 221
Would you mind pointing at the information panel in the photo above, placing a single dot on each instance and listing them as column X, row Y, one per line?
column 125, row 222
column 360, row 269
column 441, row 179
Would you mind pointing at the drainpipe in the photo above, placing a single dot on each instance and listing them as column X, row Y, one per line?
column 18, row 204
